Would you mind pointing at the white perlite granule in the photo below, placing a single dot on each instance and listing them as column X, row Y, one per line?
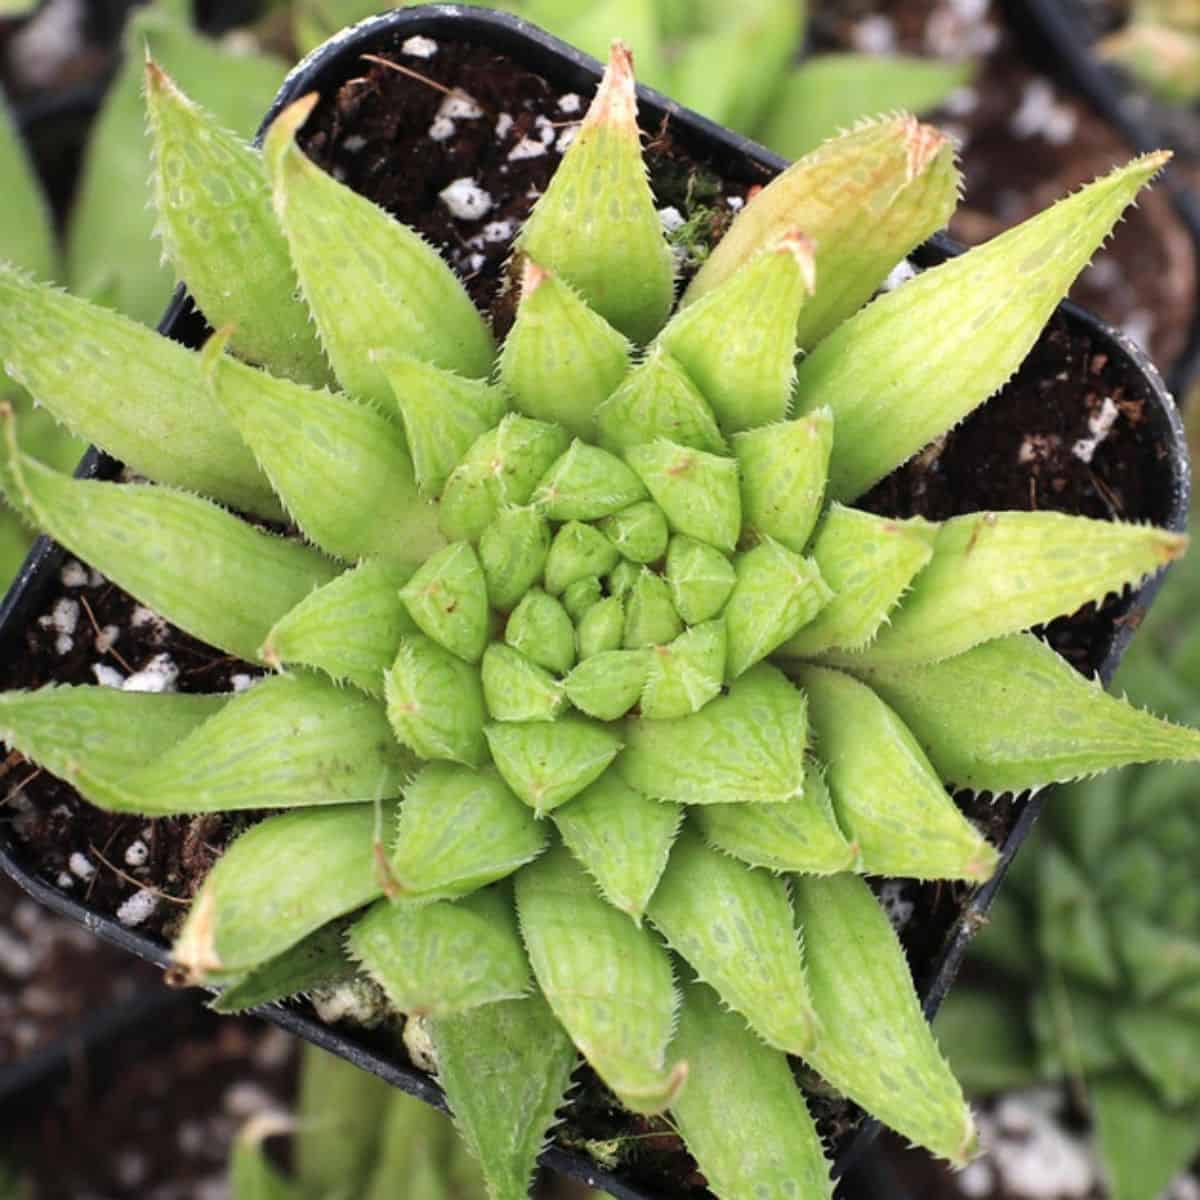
column 138, row 908
column 136, row 853
column 158, row 675
column 107, row 676
column 459, row 106
column 570, row 103
column 465, row 199
column 241, row 682
column 504, row 123
column 670, row 218
column 63, row 617
column 81, row 866
column 74, row 575
column 419, row 47
column 526, row 148
column 565, row 138
column 893, row 901
column 902, row 272
column 1099, row 427
column 499, row 231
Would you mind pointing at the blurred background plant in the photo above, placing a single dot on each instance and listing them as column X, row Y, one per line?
column 1158, row 44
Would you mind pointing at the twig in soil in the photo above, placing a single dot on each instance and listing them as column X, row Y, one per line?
column 437, row 87
column 137, row 883
column 87, row 608
column 1110, row 498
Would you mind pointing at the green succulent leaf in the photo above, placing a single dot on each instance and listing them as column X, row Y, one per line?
column 350, row 628
column 639, row 532
column 734, row 926
column 987, row 1040
column 214, row 209
column 875, row 1045
column 1165, row 1048
column 447, row 598
column 602, row 627
column 94, row 737
column 608, row 981
column 248, row 912
column 546, row 764
column 458, row 831
column 697, row 491
column 685, row 674
column 744, row 746
column 783, row 468
column 917, row 360
column 137, row 395
column 435, row 703
column 658, row 400
column 650, row 616
column 444, row 414
column 777, row 592
column 208, row 572
column 252, row 1175
column 26, row 227
column 1011, row 714
column 596, row 226
column 512, row 552
column 309, row 444
column 868, row 563
column 577, row 552
column 443, row 958
column 585, row 484
column 608, row 684
column 517, row 689
column 579, row 596
column 1000, row 572
column 741, row 1114
column 368, row 280
column 560, row 360
column 289, row 741
column 888, row 798
column 830, row 92
column 700, row 577
column 736, row 342
column 505, row 1067
column 540, row 628
column 317, row 960
column 801, row 834
column 900, row 172
column 621, row 838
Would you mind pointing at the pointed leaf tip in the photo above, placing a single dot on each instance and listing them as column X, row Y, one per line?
column 615, row 102
column 923, row 143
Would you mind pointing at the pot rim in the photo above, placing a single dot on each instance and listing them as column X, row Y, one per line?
column 570, row 69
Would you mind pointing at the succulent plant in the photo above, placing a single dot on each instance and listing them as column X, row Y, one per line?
column 1159, row 46
column 596, row 698
column 1098, row 937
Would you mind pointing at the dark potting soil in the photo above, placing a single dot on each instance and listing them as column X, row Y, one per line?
column 1024, row 142
column 382, row 134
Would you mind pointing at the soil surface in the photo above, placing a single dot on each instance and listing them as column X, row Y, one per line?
column 1021, row 451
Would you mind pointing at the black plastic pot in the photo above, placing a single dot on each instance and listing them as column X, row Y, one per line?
column 1058, row 35
column 736, row 158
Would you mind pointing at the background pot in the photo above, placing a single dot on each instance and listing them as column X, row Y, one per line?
column 737, row 158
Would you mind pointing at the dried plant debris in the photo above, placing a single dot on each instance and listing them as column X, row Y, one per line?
column 589, row 555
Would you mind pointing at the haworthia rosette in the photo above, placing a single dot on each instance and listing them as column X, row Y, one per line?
column 505, row 1067
column 137, row 395
column 887, row 797
column 608, row 982
column 875, row 1045
column 900, row 172
column 995, row 573
column 290, row 741
column 442, row 958
column 868, row 563
column 917, row 360
column 1011, row 714
column 215, row 217
column 459, row 830
column 596, row 225
column 249, row 912
column 342, row 470
column 351, row 628
column 734, row 926
column 742, row 1115
column 202, row 568
column 622, row 839
column 367, row 279
column 560, row 360
column 801, row 834
column 745, row 746
column 735, row 343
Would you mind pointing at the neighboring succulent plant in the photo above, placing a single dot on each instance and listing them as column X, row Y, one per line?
column 735, row 63
column 578, row 629
column 1160, row 48
column 1098, row 932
